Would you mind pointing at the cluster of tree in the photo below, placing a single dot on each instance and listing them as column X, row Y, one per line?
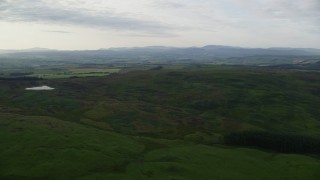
column 157, row 68
column 286, row 143
column 19, row 74
column 20, row 78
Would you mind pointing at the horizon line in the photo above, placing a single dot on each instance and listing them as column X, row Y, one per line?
column 130, row 47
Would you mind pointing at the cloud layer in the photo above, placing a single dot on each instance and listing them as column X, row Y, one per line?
column 297, row 11
column 212, row 13
column 253, row 23
column 41, row 11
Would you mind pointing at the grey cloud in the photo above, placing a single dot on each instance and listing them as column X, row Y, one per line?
column 41, row 12
column 299, row 11
column 301, row 14
column 168, row 4
column 149, row 35
column 54, row 31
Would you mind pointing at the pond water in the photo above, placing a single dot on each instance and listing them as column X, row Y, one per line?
column 40, row 88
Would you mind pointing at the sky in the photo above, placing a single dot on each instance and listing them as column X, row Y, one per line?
column 94, row 24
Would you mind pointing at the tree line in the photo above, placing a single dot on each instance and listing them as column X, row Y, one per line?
column 285, row 143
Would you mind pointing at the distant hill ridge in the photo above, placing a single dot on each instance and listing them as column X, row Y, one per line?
column 161, row 54
column 216, row 48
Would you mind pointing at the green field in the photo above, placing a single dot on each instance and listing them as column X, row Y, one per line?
column 76, row 72
column 71, row 75
column 39, row 147
column 58, row 72
column 158, row 124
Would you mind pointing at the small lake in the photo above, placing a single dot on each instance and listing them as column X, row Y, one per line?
column 40, row 88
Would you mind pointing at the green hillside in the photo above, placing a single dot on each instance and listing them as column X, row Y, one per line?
column 39, row 147
column 161, row 124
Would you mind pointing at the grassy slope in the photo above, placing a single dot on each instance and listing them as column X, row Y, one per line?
column 215, row 100
column 177, row 103
column 44, row 147
column 71, row 132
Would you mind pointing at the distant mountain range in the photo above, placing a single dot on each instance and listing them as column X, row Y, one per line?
column 35, row 49
column 208, row 54
column 206, row 51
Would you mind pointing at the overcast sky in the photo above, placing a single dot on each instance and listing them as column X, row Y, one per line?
column 94, row 24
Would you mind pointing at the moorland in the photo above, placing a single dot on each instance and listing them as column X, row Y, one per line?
column 161, row 120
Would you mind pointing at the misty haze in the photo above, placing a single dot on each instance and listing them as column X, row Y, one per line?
column 159, row 89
